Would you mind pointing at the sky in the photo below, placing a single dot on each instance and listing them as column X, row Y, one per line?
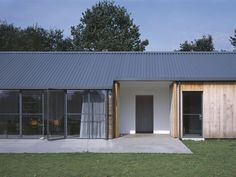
column 165, row 23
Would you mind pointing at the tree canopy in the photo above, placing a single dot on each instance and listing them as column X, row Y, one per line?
column 107, row 26
column 32, row 38
column 233, row 39
column 202, row 44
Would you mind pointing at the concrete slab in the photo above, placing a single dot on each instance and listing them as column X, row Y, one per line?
column 139, row 143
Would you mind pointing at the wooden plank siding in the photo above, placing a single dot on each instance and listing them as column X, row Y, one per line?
column 219, row 107
column 194, row 86
column 116, row 109
column 173, row 111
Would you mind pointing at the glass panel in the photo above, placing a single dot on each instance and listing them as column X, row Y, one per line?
column 110, row 102
column 192, row 112
column 73, row 125
column 98, row 126
column 75, row 100
column 32, row 102
column 9, row 125
column 32, row 120
column 56, row 126
column 99, row 107
column 9, row 113
column 192, row 125
column 93, row 123
column 9, row 101
column 56, row 113
column 97, row 99
column 32, row 125
column 192, row 103
column 109, row 117
column 86, row 113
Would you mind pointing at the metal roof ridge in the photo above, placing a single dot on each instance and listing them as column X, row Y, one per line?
column 117, row 52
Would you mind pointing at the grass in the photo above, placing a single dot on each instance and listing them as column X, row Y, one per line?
column 210, row 158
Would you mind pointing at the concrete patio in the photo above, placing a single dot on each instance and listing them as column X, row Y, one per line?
column 139, row 143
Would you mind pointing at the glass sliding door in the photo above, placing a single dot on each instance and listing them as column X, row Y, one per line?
column 9, row 114
column 74, row 109
column 56, row 112
column 32, row 114
column 86, row 113
column 93, row 117
column 98, row 113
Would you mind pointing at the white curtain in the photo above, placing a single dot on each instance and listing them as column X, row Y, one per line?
column 93, row 116
column 85, row 122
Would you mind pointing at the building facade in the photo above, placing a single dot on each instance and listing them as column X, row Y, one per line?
column 102, row 95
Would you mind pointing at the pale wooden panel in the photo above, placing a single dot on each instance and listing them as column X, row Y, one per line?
column 116, row 109
column 207, row 110
column 173, row 111
column 217, row 102
column 234, row 111
column 228, row 112
column 206, row 106
column 192, row 86
column 219, row 107
column 219, row 110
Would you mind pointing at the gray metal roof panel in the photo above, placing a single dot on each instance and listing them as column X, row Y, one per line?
column 88, row 70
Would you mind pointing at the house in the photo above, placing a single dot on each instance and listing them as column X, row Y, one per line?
column 109, row 94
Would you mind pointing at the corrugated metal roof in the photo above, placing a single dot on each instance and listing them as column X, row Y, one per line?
column 81, row 70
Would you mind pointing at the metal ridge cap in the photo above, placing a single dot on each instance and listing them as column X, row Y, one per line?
column 115, row 52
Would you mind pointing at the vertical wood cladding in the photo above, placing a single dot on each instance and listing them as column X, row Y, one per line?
column 219, row 107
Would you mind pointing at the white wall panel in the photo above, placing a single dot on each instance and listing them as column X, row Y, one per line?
column 160, row 92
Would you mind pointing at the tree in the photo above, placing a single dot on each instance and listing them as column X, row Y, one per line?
column 39, row 39
column 187, row 46
column 32, row 38
column 9, row 37
column 233, row 39
column 107, row 26
column 35, row 39
column 203, row 44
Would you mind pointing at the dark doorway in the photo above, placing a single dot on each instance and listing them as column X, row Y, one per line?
column 192, row 114
column 144, row 114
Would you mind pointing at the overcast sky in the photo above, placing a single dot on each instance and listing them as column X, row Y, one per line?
column 165, row 23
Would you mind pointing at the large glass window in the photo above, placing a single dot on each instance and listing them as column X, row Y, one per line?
column 9, row 101
column 97, row 119
column 76, row 113
column 9, row 113
column 75, row 100
column 32, row 102
column 86, row 113
column 56, row 113
column 32, row 114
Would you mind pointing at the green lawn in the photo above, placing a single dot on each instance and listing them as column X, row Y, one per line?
column 210, row 158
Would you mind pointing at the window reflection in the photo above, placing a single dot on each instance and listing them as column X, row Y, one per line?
column 56, row 113
column 32, row 114
column 44, row 114
column 88, row 108
column 32, row 102
column 9, row 113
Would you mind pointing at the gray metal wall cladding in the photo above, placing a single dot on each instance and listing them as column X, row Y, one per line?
column 90, row 70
